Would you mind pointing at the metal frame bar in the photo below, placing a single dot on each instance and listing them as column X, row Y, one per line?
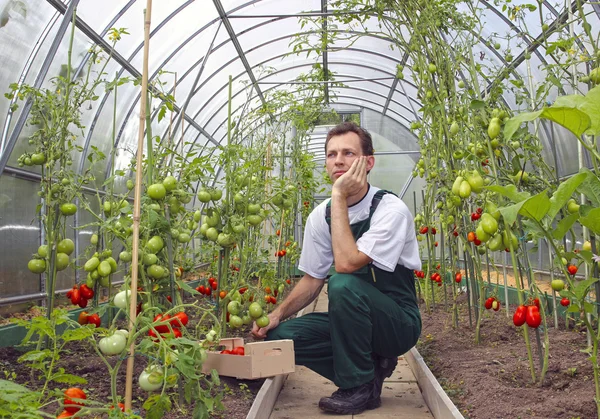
column 394, row 84
column 66, row 21
column 325, row 53
column 238, row 48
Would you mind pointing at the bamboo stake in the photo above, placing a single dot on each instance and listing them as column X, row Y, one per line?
column 136, row 208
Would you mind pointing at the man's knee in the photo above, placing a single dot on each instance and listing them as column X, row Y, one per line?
column 282, row 331
column 340, row 284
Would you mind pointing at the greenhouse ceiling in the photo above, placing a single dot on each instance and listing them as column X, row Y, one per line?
column 195, row 46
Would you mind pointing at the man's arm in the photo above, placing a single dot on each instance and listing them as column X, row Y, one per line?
column 346, row 256
column 305, row 291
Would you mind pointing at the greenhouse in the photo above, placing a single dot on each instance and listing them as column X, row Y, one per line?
column 283, row 209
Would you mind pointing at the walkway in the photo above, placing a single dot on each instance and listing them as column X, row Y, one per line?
column 299, row 398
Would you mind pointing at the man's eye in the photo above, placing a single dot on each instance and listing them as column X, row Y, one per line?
column 349, row 153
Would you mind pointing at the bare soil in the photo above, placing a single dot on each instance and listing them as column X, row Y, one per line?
column 493, row 379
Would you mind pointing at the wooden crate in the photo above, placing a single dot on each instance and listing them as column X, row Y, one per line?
column 261, row 359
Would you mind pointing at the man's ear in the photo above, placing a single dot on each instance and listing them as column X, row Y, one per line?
column 370, row 163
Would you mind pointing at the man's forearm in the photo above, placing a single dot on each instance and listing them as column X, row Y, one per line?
column 305, row 291
column 345, row 251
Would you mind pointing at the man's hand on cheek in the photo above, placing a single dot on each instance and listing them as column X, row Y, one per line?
column 353, row 180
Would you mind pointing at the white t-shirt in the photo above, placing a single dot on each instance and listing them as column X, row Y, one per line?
column 391, row 239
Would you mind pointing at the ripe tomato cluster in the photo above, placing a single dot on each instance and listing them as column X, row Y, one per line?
column 207, row 289
column 419, row 274
column 79, row 295
column 72, row 406
column 237, row 350
column 477, row 214
column 492, row 303
column 529, row 314
column 85, row 318
column 425, row 230
column 176, row 322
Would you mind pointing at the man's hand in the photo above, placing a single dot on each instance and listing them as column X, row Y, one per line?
column 261, row 332
column 351, row 182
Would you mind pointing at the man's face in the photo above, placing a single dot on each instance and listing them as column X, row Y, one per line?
column 342, row 150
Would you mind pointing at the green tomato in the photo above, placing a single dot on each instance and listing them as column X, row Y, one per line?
column 121, row 298
column 216, row 194
column 90, row 282
column 37, row 266
column 43, row 251
column 183, row 238
column 62, row 261
column 92, row 264
column 112, row 345
column 203, row 229
column 68, row 209
column 587, row 246
column 104, row 281
column 155, row 244
column 461, row 84
column 156, row 271
column 254, row 220
column 254, row 208
column 263, row 321
column 234, row 307
column 169, row 183
column 495, row 243
column 66, row 246
column 212, row 234
column 225, row 240
column 456, row 185
column 454, row 128
column 151, row 379
column 475, row 181
column 493, row 129
column 557, row 284
column 238, row 198
column 94, row 239
column 38, row 158
column 246, row 319
column 157, row 191
column 239, row 228
column 465, row 189
column 213, row 219
column 488, row 223
column 197, row 216
column 235, row 321
column 104, row 268
column 130, row 184
column 204, row 195
column 125, row 256
column 149, row 259
column 572, row 206
column 107, row 207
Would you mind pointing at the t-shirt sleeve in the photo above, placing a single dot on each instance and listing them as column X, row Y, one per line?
column 317, row 255
column 386, row 238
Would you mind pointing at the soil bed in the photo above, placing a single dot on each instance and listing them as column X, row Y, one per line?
column 493, row 379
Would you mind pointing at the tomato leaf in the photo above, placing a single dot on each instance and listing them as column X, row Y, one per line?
column 536, row 207
column 510, row 213
column 80, row 333
column 61, row 377
column 573, row 308
column 590, row 217
column 156, row 405
column 200, row 411
column 563, row 193
column 510, row 192
column 590, row 186
column 581, row 288
column 513, row 124
column 589, row 308
column 591, row 106
column 564, row 225
column 477, row 104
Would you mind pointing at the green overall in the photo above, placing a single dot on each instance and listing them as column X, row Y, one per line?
column 371, row 311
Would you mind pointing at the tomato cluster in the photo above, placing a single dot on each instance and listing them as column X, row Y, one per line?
column 85, row 318
column 175, row 322
column 529, row 314
column 207, row 289
column 237, row 350
column 419, row 274
column 72, row 406
column 492, row 303
column 80, row 295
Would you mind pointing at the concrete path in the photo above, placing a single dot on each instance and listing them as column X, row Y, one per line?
column 299, row 398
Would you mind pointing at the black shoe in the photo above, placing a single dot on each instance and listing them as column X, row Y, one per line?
column 348, row 402
column 384, row 367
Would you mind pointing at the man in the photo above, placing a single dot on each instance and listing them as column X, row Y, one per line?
column 373, row 316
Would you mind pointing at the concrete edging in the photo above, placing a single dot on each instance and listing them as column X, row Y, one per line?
column 263, row 404
column 436, row 398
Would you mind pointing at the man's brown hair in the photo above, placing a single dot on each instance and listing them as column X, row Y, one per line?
column 366, row 143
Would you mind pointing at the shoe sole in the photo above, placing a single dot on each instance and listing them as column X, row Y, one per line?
column 356, row 411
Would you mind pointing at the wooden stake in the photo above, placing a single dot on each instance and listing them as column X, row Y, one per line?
column 136, row 209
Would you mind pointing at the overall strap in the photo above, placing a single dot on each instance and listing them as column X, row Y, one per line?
column 374, row 204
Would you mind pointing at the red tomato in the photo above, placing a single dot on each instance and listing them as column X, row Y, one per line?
column 75, row 296
column 214, row 285
column 435, row 244
column 222, row 295
column 520, row 315
column 476, row 242
column 565, row 302
column 238, row 350
column 533, row 317
column 200, row 289
column 433, row 230
column 83, row 302
column 267, row 290
column 83, row 318
column 226, row 352
column 65, row 414
column 273, row 300
column 278, row 232
column 94, row 319
column 424, row 230
column 287, row 243
column 73, row 393
column 160, row 318
column 458, row 277
column 536, row 302
column 455, row 233
column 571, row 268
column 471, row 236
column 121, row 407
column 289, row 281
column 489, row 302
column 479, row 210
column 179, row 319
column 86, row 292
